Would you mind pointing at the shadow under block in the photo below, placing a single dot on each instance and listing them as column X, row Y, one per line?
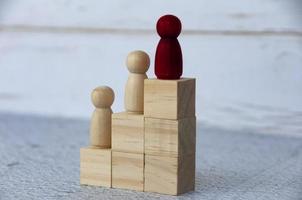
column 169, row 175
column 169, row 99
column 128, row 171
column 95, row 166
column 128, row 132
column 174, row 138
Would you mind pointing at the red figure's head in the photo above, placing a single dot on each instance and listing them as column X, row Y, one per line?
column 168, row 26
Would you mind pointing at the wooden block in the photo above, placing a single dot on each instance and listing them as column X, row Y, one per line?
column 95, row 166
column 170, row 137
column 128, row 132
column 169, row 99
column 128, row 171
column 169, row 175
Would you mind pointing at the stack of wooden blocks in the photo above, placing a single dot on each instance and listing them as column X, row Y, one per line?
column 151, row 146
column 153, row 151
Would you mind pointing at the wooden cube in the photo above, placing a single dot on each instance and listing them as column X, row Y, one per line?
column 127, row 132
column 170, row 137
column 128, row 171
column 95, row 166
column 169, row 99
column 169, row 175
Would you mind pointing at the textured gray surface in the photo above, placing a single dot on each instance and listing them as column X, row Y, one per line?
column 40, row 160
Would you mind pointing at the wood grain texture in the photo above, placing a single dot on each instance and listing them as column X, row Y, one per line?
column 169, row 175
column 169, row 99
column 128, row 171
column 128, row 132
column 170, row 137
column 95, row 166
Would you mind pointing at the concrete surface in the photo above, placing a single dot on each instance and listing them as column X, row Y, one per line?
column 40, row 160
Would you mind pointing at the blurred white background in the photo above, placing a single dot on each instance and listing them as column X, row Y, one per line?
column 246, row 56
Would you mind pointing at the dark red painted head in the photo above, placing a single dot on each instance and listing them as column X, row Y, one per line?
column 168, row 26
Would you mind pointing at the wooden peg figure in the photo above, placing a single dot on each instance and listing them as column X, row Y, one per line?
column 138, row 63
column 168, row 56
column 100, row 129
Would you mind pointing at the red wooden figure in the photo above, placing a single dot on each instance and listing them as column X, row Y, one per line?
column 168, row 56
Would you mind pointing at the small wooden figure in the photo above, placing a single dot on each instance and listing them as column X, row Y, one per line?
column 100, row 129
column 138, row 63
column 168, row 56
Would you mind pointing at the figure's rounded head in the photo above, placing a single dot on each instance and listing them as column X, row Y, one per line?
column 138, row 62
column 102, row 97
column 168, row 26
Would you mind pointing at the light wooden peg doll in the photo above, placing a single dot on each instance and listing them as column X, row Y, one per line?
column 100, row 129
column 138, row 63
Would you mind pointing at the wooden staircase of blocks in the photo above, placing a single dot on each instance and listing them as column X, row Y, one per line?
column 154, row 151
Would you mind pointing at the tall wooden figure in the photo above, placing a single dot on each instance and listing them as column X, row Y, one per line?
column 168, row 57
column 100, row 130
column 138, row 63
